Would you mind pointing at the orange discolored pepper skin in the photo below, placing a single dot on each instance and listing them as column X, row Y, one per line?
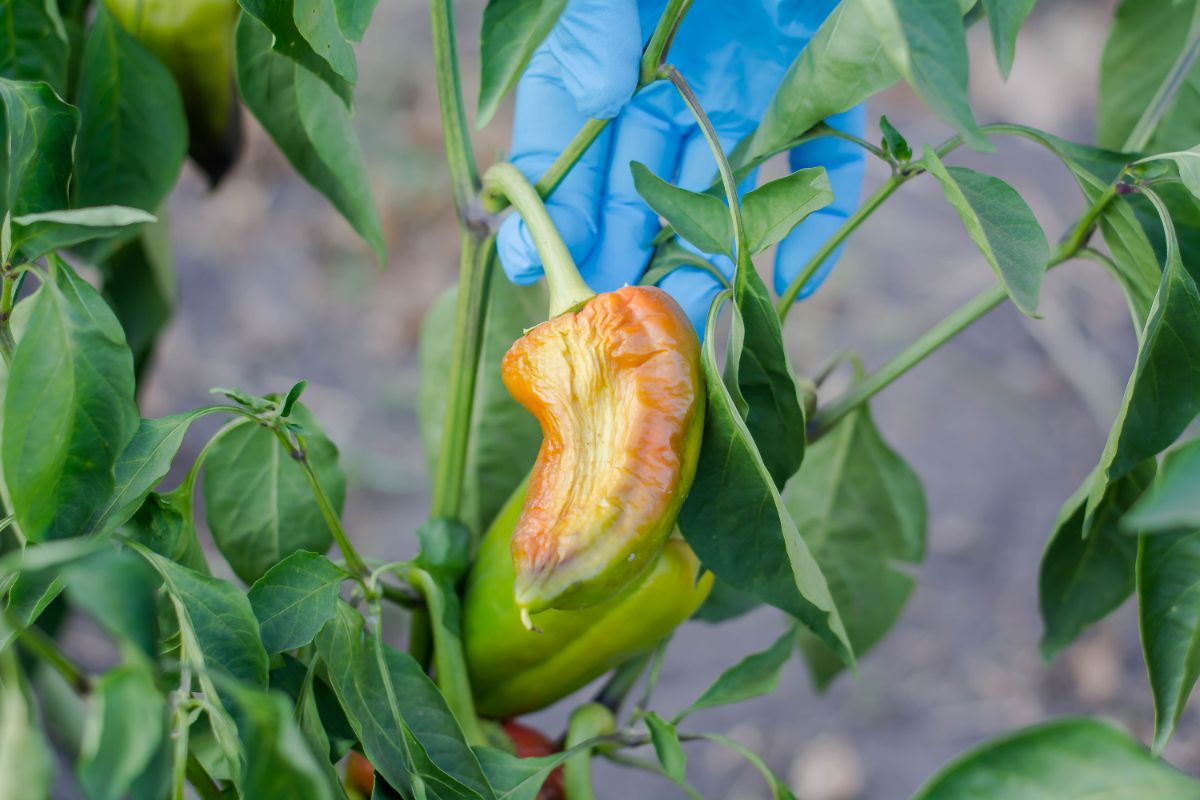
column 619, row 394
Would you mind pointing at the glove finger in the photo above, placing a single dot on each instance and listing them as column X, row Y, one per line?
column 545, row 120
column 627, row 224
column 694, row 289
column 598, row 45
column 845, row 162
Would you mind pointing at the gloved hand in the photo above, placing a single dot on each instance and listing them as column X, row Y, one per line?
column 734, row 55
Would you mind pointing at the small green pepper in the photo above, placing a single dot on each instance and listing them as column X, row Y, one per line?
column 194, row 40
column 515, row 670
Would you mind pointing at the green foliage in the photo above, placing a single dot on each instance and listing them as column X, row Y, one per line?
column 258, row 500
column 1168, row 587
column 1070, row 759
column 512, row 30
column 260, row 693
column 861, row 509
column 1002, row 226
column 68, row 408
column 310, row 122
column 736, row 522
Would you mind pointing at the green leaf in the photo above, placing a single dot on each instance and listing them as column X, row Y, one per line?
column 294, row 600
column 861, row 509
column 1002, row 226
column 220, row 618
column 308, row 716
column 68, row 410
column 258, row 501
column 504, row 437
column 280, row 19
column 894, row 142
column 164, row 524
column 760, row 380
column 926, row 43
column 133, row 137
column 139, row 284
column 702, row 219
column 841, row 66
column 36, row 164
column 725, row 603
column 1188, row 164
column 754, row 676
column 670, row 753
column 1005, row 18
column 41, row 233
column 1168, row 587
column 117, row 589
column 512, row 30
column 354, row 16
column 774, row 208
column 736, row 522
column 26, row 764
column 1084, row 579
column 1070, row 759
column 34, row 47
column 317, row 22
column 401, row 718
column 143, row 463
column 1146, row 39
column 311, row 125
column 279, row 762
column 1163, row 393
column 1172, row 501
column 516, row 778
column 1137, row 268
column 122, row 732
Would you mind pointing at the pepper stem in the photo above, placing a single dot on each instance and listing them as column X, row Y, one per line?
column 567, row 287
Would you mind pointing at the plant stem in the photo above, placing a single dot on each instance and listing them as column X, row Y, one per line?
column 672, row 74
column 464, row 175
column 652, row 57
column 623, row 679
column 660, row 40
column 353, row 560
column 476, row 260
column 567, row 288
column 957, row 321
column 7, row 293
column 833, row 242
column 449, row 658
column 40, row 645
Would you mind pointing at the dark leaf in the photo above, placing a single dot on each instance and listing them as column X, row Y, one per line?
column 754, row 676
column 122, row 732
column 1172, row 502
column 861, row 509
column 34, row 46
column 1082, row 579
column 311, row 125
column 699, row 218
column 39, row 129
column 258, row 501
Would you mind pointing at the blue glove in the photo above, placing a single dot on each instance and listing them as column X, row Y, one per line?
column 734, row 55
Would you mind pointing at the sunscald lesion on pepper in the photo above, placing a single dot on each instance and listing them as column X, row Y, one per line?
column 617, row 388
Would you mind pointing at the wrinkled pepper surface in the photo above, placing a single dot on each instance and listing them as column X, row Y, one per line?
column 617, row 388
column 515, row 670
column 194, row 40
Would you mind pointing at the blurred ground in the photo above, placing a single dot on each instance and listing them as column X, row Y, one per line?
column 1001, row 425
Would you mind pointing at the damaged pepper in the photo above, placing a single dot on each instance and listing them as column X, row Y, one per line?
column 514, row 670
column 618, row 391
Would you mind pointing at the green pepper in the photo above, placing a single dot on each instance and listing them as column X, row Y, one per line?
column 194, row 40
column 514, row 670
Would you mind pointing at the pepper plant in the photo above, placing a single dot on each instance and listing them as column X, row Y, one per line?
column 262, row 686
